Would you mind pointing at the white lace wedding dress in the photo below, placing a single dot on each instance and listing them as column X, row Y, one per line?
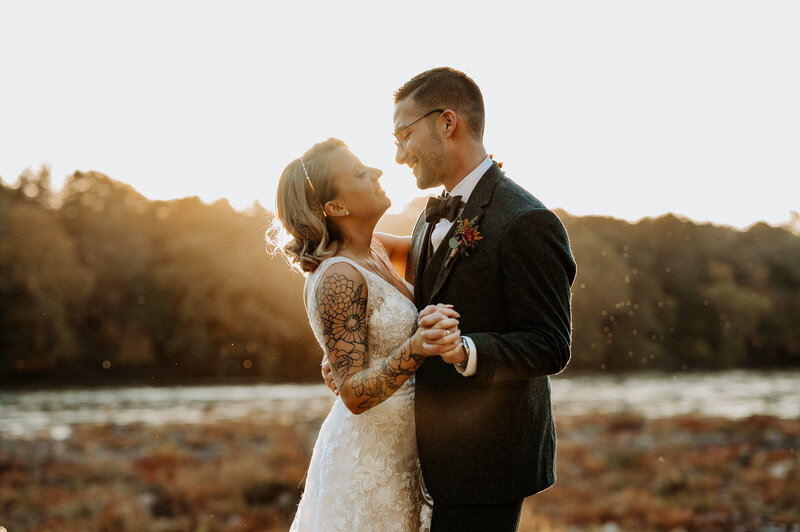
column 364, row 471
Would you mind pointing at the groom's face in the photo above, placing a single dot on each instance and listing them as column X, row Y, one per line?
column 419, row 145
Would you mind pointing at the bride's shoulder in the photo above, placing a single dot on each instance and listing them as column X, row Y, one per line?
column 340, row 275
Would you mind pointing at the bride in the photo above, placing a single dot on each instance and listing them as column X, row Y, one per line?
column 364, row 471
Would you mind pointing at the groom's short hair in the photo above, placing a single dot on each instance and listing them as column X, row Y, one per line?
column 443, row 88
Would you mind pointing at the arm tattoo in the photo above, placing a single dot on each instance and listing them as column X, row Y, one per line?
column 376, row 384
column 343, row 311
column 344, row 324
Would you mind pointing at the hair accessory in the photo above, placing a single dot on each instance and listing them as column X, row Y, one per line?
column 313, row 190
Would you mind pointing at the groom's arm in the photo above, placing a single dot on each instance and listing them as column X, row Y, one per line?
column 538, row 270
column 397, row 248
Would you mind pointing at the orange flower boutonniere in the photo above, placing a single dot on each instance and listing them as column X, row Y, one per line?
column 464, row 240
column 499, row 164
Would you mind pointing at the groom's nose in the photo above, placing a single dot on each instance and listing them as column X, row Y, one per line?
column 400, row 155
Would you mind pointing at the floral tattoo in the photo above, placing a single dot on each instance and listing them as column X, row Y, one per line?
column 344, row 324
column 343, row 310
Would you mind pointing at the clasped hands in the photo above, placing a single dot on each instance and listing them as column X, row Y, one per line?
column 437, row 334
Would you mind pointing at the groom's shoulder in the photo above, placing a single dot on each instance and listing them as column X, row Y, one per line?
column 513, row 200
column 514, row 209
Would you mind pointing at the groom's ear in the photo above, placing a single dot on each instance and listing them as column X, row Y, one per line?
column 450, row 119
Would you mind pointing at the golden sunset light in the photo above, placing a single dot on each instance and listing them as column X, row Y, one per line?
column 226, row 306
column 625, row 109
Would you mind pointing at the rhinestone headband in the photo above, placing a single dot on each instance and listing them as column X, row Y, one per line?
column 310, row 184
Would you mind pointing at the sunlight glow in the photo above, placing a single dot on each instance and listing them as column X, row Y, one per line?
column 618, row 108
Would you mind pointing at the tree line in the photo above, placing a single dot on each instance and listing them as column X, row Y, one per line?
column 98, row 282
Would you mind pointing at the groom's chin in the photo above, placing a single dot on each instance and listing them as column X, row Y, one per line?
column 423, row 183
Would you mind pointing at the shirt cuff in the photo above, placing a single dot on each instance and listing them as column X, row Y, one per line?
column 472, row 362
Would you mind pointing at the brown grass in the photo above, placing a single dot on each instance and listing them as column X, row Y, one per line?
column 621, row 472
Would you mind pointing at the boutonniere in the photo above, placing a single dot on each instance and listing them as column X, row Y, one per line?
column 499, row 164
column 465, row 239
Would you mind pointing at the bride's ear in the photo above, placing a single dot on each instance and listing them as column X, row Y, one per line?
column 334, row 208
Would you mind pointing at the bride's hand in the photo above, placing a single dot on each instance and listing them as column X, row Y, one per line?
column 327, row 374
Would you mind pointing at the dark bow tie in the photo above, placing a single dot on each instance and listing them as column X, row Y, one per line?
column 442, row 207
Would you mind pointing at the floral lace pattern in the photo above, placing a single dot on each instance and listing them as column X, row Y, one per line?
column 364, row 471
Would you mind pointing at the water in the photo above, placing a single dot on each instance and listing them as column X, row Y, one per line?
column 48, row 413
column 732, row 394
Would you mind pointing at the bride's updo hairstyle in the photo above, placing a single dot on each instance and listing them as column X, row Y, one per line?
column 302, row 230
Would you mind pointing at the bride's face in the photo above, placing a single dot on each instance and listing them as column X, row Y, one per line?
column 359, row 190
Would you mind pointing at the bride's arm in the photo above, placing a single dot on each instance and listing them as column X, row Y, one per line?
column 397, row 247
column 342, row 300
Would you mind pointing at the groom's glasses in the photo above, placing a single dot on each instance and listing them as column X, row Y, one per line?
column 398, row 134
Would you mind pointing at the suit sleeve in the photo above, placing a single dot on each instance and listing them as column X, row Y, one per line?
column 413, row 250
column 538, row 270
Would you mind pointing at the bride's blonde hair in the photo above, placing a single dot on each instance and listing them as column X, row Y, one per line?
column 301, row 230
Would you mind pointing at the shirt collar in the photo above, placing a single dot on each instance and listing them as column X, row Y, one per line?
column 465, row 187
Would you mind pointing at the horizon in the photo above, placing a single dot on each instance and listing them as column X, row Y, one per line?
column 793, row 224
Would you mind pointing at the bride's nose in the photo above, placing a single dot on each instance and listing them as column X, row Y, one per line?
column 378, row 173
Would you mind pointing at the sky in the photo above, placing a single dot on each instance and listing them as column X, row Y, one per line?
column 628, row 109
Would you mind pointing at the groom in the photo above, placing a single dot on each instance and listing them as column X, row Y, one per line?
column 485, row 428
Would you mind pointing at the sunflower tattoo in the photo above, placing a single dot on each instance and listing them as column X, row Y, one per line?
column 344, row 322
column 345, row 309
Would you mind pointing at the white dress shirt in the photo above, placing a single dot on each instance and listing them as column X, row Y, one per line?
column 464, row 189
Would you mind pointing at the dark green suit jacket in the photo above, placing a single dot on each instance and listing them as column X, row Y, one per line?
column 490, row 438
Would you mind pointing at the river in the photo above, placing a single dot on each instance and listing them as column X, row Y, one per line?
column 51, row 413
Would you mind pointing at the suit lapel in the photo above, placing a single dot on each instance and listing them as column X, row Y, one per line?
column 436, row 273
column 417, row 258
column 422, row 266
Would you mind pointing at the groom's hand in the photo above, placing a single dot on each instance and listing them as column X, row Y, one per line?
column 455, row 353
column 432, row 314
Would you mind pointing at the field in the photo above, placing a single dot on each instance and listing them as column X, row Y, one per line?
column 615, row 473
